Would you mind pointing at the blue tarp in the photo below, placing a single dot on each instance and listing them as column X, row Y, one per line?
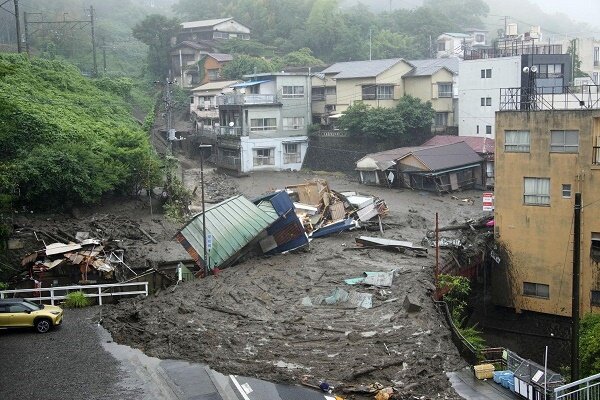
column 249, row 83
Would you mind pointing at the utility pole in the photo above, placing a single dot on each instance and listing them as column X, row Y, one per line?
column 370, row 45
column 18, row 22
column 26, row 33
column 575, row 295
column 103, row 54
column 95, row 68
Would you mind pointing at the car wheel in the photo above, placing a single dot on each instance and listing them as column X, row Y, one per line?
column 43, row 325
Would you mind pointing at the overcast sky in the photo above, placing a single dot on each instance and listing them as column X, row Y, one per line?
column 579, row 10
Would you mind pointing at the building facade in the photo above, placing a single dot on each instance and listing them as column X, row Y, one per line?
column 482, row 79
column 543, row 157
column 263, row 123
column 382, row 83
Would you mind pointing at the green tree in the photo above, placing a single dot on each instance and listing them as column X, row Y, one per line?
column 353, row 119
column 589, row 344
column 577, row 73
column 156, row 32
column 243, row 65
column 387, row 44
column 300, row 58
column 324, row 27
column 417, row 117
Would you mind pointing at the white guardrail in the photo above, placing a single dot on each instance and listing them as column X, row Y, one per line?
column 93, row 291
column 583, row 389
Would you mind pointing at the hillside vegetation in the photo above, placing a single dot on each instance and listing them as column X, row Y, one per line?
column 66, row 139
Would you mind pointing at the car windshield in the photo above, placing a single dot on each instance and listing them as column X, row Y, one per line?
column 32, row 305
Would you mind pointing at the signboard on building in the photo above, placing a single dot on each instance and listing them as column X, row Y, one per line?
column 488, row 201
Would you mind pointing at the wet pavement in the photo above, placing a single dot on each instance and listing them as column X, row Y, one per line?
column 470, row 388
column 80, row 360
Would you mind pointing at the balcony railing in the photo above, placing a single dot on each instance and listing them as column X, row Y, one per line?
column 240, row 99
column 231, row 131
column 550, row 98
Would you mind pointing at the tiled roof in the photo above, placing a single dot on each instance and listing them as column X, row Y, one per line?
column 431, row 66
column 221, row 57
column 481, row 145
column 361, row 69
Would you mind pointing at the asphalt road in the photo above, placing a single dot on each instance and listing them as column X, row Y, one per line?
column 66, row 363
column 79, row 360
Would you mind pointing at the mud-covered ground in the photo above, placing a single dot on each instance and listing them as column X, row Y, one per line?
column 251, row 319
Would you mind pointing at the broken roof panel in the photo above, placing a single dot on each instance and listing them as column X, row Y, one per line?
column 233, row 224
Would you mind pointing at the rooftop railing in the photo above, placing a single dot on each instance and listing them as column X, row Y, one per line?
column 550, row 98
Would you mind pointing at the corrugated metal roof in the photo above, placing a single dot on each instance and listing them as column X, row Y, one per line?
column 218, row 85
column 431, row 66
column 204, row 23
column 482, row 145
column 361, row 69
column 249, row 83
column 233, row 224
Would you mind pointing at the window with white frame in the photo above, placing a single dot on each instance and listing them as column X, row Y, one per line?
column 566, row 190
column 486, row 101
column 488, row 129
column 385, row 92
column 516, row 141
column 536, row 290
column 263, row 124
column 291, row 153
column 264, row 157
column 536, row 191
column 293, row 123
column 445, row 89
column 564, row 141
column 292, row 92
column 486, row 73
column 441, row 45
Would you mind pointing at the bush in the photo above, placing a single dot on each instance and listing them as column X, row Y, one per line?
column 589, row 345
column 77, row 300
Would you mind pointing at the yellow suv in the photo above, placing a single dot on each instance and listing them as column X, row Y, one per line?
column 21, row 313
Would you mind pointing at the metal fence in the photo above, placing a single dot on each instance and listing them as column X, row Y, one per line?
column 92, row 291
column 550, row 98
column 583, row 389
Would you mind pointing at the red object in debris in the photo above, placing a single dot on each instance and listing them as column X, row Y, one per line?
column 490, row 223
column 216, row 271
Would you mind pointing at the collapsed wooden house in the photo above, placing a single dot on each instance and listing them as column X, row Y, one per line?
column 443, row 168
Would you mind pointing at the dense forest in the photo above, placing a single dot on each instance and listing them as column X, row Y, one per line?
column 67, row 139
column 333, row 30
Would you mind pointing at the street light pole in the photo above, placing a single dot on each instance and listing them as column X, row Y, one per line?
column 204, row 244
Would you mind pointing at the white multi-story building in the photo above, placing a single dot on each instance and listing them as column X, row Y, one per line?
column 482, row 79
column 263, row 123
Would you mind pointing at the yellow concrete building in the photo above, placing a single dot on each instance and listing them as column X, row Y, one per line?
column 544, row 157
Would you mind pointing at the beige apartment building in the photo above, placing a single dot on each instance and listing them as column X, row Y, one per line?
column 544, row 156
column 382, row 83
